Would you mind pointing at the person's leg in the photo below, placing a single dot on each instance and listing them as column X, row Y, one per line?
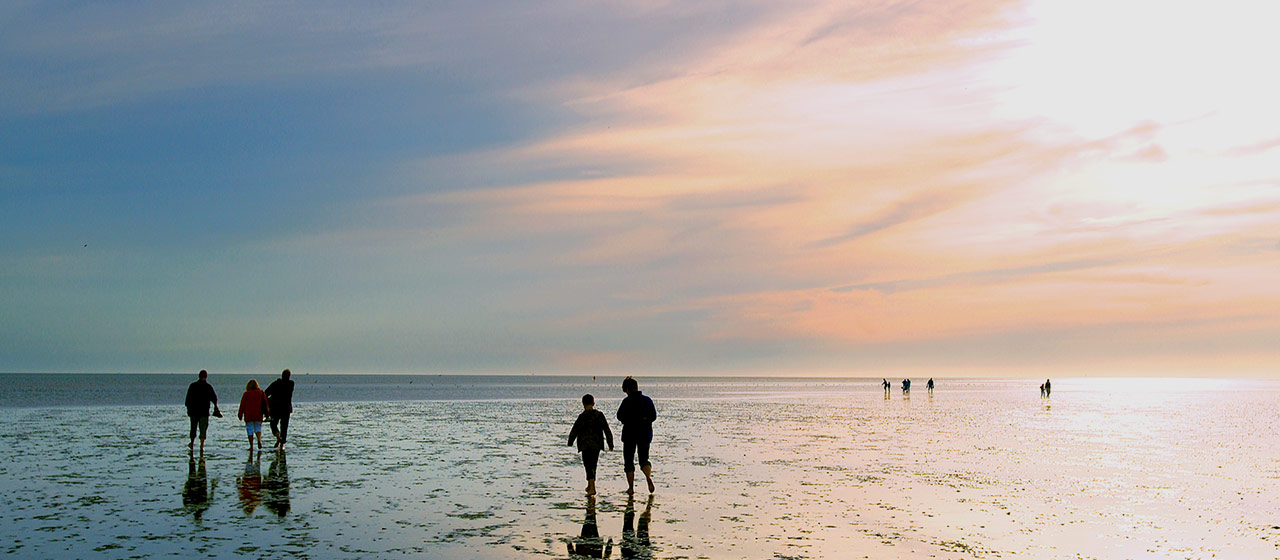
column 629, row 465
column 275, row 431
column 589, row 460
column 258, row 429
column 192, row 443
column 248, row 429
column 645, row 467
column 284, row 430
column 203, row 424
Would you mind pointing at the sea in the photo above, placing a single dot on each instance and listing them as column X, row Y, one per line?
column 425, row 466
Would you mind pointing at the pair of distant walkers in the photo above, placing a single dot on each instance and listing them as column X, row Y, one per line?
column 275, row 403
column 591, row 431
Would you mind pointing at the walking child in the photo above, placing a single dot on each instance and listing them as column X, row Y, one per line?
column 591, row 430
column 253, row 408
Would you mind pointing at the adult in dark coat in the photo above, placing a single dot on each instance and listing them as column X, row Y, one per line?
column 199, row 395
column 280, row 401
column 636, row 413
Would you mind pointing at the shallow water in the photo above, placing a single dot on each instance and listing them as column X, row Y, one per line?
column 1103, row 469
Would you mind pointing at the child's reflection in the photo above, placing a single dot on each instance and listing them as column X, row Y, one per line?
column 250, row 484
column 590, row 545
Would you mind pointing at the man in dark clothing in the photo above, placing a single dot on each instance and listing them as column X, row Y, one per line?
column 637, row 415
column 199, row 395
column 591, row 430
column 280, row 401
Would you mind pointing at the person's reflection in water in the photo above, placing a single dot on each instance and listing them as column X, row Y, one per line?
column 195, row 493
column 277, row 485
column 590, row 545
column 635, row 541
column 250, row 484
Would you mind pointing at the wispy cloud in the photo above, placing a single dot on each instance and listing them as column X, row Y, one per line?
column 576, row 186
column 898, row 213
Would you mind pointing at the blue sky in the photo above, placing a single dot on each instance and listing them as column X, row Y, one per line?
column 857, row 188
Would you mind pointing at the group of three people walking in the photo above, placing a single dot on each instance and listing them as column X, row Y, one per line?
column 591, row 431
column 256, row 405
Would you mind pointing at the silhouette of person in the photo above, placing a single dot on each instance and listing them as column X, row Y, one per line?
column 276, row 485
column 591, row 430
column 1048, row 388
column 253, row 408
column 195, row 493
column 199, row 395
column 280, row 401
column 1042, row 390
column 589, row 544
column 906, row 385
column 929, row 385
column 885, row 384
column 636, row 413
column 249, row 485
column 635, row 542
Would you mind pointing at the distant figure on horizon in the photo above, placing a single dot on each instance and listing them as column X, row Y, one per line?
column 253, row 407
column 1048, row 388
column 199, row 395
column 885, row 383
column 1042, row 390
column 280, row 399
column 637, row 414
column 906, row 385
column 591, row 430
column 929, row 385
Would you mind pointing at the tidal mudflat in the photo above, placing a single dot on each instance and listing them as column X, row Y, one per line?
column 980, row 469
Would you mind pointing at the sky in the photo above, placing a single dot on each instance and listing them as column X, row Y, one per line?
column 863, row 188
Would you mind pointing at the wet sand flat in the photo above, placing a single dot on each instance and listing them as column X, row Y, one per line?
column 1108, row 471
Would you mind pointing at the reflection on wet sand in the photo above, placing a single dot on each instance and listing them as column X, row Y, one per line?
column 195, row 493
column 984, row 473
column 635, row 541
column 277, row 485
column 250, row 484
column 589, row 544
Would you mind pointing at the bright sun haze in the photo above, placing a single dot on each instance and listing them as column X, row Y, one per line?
column 994, row 188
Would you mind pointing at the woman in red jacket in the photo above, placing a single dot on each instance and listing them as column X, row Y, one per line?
column 253, row 407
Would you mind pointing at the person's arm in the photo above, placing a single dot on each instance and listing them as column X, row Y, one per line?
column 608, row 435
column 240, row 409
column 653, row 412
column 573, row 433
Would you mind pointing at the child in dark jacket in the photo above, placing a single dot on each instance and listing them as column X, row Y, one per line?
column 591, row 430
